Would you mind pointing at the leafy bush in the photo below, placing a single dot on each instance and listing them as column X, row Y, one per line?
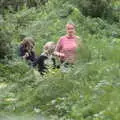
column 94, row 8
column 16, row 5
column 5, row 45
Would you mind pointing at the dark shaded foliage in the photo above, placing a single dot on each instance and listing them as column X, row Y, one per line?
column 15, row 5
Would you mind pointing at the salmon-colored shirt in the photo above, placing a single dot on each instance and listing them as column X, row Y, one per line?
column 68, row 46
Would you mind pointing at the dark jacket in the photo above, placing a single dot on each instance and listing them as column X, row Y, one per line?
column 45, row 61
column 23, row 51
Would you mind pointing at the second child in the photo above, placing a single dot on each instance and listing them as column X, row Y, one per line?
column 46, row 59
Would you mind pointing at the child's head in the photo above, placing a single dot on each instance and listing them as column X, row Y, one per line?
column 28, row 43
column 49, row 47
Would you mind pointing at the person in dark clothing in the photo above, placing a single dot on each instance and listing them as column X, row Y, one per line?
column 46, row 60
column 26, row 50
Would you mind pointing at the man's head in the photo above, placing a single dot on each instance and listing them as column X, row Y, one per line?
column 70, row 29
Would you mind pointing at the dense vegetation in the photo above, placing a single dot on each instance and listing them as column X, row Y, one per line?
column 90, row 91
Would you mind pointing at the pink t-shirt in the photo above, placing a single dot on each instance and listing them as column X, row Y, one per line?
column 68, row 46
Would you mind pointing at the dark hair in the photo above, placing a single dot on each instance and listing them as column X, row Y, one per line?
column 27, row 41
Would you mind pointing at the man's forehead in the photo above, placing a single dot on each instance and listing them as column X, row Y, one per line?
column 69, row 26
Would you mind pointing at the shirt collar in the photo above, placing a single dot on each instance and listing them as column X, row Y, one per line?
column 70, row 37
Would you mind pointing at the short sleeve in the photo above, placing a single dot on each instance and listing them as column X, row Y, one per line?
column 59, row 45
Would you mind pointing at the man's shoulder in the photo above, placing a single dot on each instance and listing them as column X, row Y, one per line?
column 62, row 37
column 78, row 37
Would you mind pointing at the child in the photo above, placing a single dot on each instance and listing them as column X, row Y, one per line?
column 46, row 59
column 26, row 49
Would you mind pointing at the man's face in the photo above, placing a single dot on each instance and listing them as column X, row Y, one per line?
column 70, row 30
